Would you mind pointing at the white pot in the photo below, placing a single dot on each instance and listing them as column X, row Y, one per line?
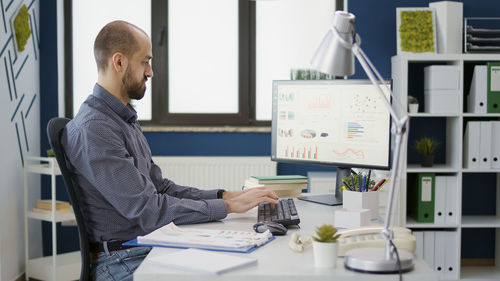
column 325, row 254
column 413, row 107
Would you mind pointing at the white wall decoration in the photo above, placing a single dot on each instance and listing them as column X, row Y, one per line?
column 20, row 127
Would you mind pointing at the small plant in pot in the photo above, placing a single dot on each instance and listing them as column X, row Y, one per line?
column 412, row 104
column 325, row 246
column 426, row 148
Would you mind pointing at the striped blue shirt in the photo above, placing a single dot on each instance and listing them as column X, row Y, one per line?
column 122, row 191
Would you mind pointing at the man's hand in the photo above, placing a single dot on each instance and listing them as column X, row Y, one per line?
column 242, row 201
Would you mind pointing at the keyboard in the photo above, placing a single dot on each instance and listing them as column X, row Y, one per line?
column 284, row 212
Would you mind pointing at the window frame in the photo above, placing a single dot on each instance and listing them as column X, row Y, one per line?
column 159, row 100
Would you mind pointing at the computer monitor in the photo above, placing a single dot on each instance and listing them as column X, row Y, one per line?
column 341, row 123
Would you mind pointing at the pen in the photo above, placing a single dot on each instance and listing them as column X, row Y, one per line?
column 364, row 183
column 346, row 184
column 378, row 183
column 360, row 186
column 386, row 180
column 368, row 179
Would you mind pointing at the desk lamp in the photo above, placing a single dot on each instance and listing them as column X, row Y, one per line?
column 335, row 56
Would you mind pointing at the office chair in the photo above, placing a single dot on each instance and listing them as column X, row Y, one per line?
column 54, row 131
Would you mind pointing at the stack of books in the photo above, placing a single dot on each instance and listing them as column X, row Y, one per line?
column 45, row 206
column 283, row 185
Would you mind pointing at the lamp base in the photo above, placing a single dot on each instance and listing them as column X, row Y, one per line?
column 373, row 260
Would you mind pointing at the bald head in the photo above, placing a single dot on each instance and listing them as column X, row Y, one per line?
column 116, row 36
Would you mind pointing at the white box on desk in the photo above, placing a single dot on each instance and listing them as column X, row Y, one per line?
column 321, row 182
column 442, row 101
column 449, row 16
column 348, row 218
column 353, row 200
column 441, row 77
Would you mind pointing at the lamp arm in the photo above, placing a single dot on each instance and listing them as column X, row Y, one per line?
column 401, row 124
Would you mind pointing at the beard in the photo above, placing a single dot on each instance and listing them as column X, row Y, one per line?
column 135, row 89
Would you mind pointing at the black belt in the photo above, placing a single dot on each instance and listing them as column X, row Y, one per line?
column 96, row 247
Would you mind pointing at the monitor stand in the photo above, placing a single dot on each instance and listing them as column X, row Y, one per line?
column 330, row 199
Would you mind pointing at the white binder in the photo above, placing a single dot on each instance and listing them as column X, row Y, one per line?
column 451, row 217
column 419, row 236
column 471, row 145
column 440, row 200
column 485, row 145
column 429, row 248
column 440, row 253
column 478, row 92
column 495, row 144
column 452, row 256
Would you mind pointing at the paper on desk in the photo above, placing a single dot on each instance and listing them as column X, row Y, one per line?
column 202, row 261
column 172, row 235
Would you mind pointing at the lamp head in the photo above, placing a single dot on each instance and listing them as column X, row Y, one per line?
column 334, row 55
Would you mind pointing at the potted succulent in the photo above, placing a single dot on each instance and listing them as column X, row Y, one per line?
column 412, row 104
column 426, row 148
column 325, row 246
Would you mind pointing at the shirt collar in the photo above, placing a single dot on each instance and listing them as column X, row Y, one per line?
column 126, row 112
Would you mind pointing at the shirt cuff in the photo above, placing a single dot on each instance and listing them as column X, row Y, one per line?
column 209, row 194
column 218, row 209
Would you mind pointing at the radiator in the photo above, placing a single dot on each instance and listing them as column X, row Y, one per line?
column 207, row 172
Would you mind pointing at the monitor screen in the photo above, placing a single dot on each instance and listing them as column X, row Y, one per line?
column 333, row 122
column 342, row 123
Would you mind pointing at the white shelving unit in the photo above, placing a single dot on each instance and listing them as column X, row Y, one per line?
column 56, row 267
column 454, row 128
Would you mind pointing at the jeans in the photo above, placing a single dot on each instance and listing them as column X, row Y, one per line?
column 117, row 265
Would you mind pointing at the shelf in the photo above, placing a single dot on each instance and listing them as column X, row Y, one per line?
column 481, row 115
column 447, row 57
column 59, row 217
column 436, row 168
column 480, row 222
column 44, row 169
column 479, row 273
column 425, row 114
column 412, row 223
column 68, row 267
column 477, row 170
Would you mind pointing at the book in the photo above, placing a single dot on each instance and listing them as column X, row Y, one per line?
column 45, row 211
column 281, row 189
column 171, row 235
column 47, row 205
column 277, row 186
column 202, row 261
column 279, row 179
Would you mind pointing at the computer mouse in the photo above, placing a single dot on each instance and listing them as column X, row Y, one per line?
column 273, row 227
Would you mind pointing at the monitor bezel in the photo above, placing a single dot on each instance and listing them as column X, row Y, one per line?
column 323, row 163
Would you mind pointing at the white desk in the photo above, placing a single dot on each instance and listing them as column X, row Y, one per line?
column 276, row 261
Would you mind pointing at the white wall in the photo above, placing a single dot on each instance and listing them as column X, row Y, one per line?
column 20, row 127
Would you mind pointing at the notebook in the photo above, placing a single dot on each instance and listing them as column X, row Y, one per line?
column 173, row 236
column 202, row 261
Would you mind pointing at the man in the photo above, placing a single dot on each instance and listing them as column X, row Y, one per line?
column 122, row 191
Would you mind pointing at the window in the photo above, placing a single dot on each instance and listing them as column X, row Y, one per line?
column 83, row 34
column 214, row 61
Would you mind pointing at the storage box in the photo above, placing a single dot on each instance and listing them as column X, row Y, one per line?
column 348, row 218
column 441, row 77
column 321, row 182
column 449, row 17
column 442, row 101
column 361, row 200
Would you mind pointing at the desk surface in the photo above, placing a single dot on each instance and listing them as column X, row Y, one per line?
column 275, row 260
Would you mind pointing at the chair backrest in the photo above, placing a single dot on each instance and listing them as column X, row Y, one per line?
column 55, row 128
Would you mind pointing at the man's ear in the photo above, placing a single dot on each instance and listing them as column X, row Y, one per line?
column 119, row 62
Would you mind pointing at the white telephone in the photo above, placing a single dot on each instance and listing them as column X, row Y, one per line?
column 370, row 237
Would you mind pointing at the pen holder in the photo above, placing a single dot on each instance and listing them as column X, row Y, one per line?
column 361, row 200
